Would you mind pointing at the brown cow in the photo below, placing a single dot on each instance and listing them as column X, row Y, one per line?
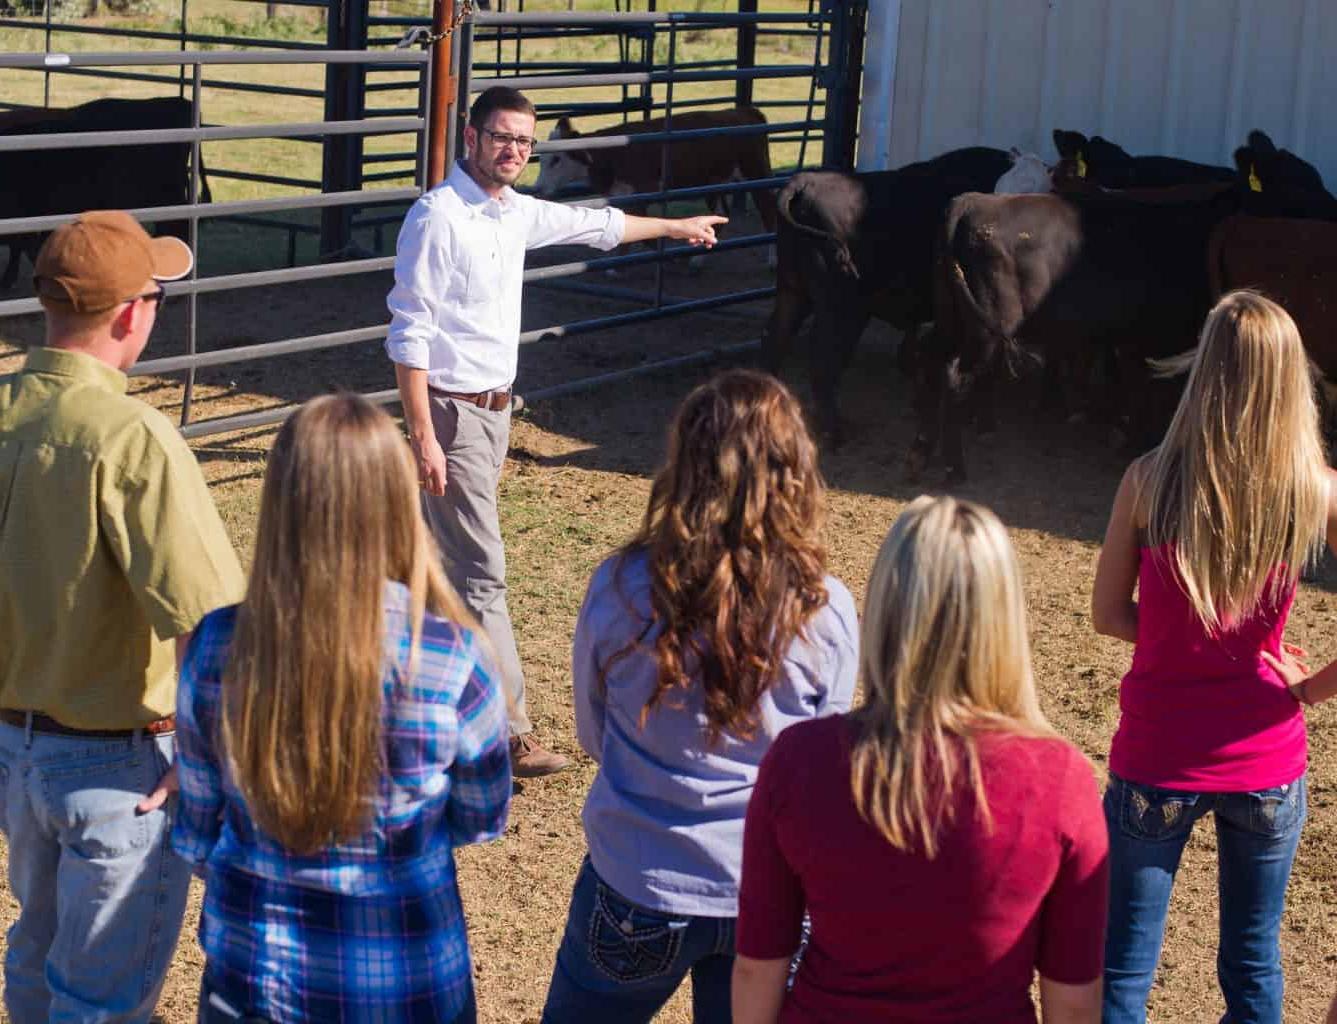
column 693, row 162
column 1293, row 262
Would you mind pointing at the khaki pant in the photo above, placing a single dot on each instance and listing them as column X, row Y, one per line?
column 468, row 529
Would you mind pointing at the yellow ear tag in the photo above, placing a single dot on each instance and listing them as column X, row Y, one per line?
column 1081, row 165
column 1255, row 182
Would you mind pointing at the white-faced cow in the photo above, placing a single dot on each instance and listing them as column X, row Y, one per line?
column 692, row 162
column 1028, row 174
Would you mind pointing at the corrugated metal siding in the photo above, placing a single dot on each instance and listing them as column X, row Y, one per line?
column 1185, row 78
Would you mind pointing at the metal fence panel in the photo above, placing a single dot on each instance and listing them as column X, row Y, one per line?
column 640, row 101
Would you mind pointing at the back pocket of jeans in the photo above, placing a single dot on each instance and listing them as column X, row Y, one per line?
column 630, row 943
column 1274, row 812
column 1151, row 813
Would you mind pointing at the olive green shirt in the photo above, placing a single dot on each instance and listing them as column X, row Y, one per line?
column 110, row 546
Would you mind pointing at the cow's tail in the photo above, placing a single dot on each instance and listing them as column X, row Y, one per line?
column 961, row 297
column 795, row 193
column 206, row 196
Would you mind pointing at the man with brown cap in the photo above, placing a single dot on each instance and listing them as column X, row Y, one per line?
column 110, row 552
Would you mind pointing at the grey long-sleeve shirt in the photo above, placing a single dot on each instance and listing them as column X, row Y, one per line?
column 664, row 818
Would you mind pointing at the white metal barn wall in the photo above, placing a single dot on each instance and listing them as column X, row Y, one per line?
column 1187, row 78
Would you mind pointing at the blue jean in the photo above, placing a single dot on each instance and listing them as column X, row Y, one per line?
column 619, row 962
column 101, row 894
column 1256, row 837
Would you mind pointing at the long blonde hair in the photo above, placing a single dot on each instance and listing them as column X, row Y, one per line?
column 944, row 655
column 733, row 537
column 301, row 719
column 1238, row 488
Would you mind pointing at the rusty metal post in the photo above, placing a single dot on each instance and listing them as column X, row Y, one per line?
column 442, row 98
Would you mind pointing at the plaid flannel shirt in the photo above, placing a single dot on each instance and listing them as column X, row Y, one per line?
column 370, row 930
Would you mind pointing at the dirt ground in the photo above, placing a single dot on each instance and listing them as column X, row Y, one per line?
column 574, row 487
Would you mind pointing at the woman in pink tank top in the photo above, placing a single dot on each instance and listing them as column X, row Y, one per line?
column 1213, row 528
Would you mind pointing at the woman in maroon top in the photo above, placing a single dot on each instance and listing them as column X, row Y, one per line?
column 945, row 841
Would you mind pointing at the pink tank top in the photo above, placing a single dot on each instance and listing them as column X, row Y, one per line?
column 1204, row 712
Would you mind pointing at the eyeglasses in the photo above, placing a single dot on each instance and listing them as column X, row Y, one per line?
column 158, row 296
column 522, row 142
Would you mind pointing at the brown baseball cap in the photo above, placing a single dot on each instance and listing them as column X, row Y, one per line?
column 102, row 258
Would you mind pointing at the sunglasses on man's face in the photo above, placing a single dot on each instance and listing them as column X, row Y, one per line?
column 158, row 296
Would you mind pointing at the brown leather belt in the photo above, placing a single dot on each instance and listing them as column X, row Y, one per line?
column 42, row 723
column 493, row 401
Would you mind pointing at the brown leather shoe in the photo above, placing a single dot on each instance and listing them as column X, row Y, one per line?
column 529, row 760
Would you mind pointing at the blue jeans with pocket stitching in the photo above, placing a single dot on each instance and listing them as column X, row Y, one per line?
column 1256, row 835
column 620, row 962
column 100, row 892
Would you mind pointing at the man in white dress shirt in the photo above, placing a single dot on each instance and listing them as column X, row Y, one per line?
column 454, row 338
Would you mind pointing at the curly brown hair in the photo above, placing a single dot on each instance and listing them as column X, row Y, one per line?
column 732, row 536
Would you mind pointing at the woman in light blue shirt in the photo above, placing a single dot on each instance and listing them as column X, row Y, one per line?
column 712, row 630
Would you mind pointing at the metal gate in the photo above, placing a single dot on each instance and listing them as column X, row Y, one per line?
column 836, row 26
column 195, row 211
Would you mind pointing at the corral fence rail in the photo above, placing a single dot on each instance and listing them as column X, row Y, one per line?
column 194, row 211
column 339, row 36
column 436, row 125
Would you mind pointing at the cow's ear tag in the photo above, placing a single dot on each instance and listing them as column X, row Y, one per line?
column 1255, row 183
column 1081, row 164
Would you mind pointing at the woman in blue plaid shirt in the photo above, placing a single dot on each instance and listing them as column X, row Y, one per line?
column 339, row 733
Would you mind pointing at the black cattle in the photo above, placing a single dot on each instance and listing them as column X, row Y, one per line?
column 1076, row 278
column 851, row 247
column 1287, row 249
column 1281, row 184
column 1097, row 161
column 1113, row 276
column 45, row 182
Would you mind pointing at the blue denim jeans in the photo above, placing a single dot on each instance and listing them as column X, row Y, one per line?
column 101, row 894
column 1256, row 837
column 619, row 962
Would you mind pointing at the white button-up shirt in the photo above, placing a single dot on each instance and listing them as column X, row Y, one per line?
column 455, row 306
